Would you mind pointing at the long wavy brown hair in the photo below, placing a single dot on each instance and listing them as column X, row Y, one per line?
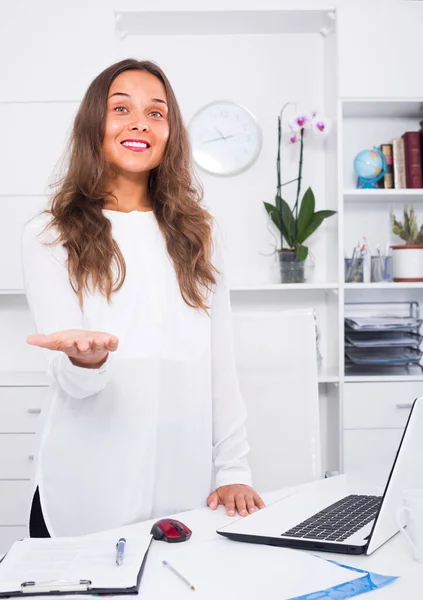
column 76, row 207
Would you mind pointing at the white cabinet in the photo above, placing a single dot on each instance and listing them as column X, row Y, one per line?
column 41, row 171
column 13, row 504
column 374, row 418
column 16, row 455
column 370, row 448
column 371, row 405
column 20, row 407
column 19, row 211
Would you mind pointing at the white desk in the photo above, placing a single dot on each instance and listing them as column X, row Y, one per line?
column 393, row 558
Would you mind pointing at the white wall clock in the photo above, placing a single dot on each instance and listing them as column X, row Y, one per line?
column 225, row 138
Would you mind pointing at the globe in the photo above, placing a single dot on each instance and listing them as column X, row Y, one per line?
column 370, row 166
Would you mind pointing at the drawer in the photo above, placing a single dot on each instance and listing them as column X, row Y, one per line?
column 370, row 448
column 14, row 502
column 17, row 455
column 9, row 535
column 20, row 407
column 384, row 404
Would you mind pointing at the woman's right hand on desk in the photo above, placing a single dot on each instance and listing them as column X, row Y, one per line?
column 87, row 349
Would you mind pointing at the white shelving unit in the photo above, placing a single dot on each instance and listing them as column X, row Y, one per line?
column 364, row 123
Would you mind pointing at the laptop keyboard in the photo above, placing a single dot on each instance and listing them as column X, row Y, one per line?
column 340, row 520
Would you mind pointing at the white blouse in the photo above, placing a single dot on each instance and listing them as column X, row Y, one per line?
column 161, row 423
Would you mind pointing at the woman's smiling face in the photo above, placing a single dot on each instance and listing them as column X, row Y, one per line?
column 137, row 126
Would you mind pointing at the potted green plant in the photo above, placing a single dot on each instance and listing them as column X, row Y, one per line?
column 296, row 225
column 407, row 259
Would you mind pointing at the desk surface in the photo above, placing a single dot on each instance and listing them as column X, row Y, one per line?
column 393, row 558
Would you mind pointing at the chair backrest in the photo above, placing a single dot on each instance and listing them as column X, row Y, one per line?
column 277, row 369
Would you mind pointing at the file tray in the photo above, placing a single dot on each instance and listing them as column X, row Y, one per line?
column 383, row 371
column 388, row 356
column 385, row 323
column 365, row 339
column 382, row 316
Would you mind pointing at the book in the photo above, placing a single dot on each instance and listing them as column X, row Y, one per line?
column 421, row 141
column 413, row 160
column 399, row 163
column 387, row 180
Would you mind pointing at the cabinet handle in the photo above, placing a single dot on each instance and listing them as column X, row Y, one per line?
column 31, row 457
column 34, row 411
column 404, row 405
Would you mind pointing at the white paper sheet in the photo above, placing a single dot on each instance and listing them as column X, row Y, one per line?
column 227, row 569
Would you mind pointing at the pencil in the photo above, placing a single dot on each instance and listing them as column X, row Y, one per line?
column 181, row 577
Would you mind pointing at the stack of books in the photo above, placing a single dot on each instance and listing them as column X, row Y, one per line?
column 404, row 156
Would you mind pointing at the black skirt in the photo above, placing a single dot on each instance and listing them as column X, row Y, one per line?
column 37, row 525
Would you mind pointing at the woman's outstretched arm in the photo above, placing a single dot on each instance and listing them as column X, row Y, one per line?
column 78, row 360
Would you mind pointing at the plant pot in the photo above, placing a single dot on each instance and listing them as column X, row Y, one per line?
column 407, row 263
column 291, row 268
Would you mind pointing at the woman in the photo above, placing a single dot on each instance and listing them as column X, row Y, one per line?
column 123, row 278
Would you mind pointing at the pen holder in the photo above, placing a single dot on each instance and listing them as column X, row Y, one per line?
column 381, row 268
column 353, row 270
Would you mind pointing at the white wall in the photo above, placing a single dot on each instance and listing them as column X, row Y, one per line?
column 63, row 52
column 379, row 49
column 58, row 51
column 262, row 72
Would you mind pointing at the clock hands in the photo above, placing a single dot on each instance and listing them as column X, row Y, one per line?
column 219, row 132
column 222, row 137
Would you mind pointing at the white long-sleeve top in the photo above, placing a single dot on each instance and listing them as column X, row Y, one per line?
column 161, row 423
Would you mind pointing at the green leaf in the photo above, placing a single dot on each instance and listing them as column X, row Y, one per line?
column 301, row 252
column 306, row 212
column 288, row 222
column 316, row 221
column 273, row 213
column 406, row 221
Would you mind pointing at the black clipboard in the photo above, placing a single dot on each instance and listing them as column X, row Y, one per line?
column 57, row 588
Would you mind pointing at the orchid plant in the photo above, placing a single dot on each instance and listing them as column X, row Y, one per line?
column 297, row 224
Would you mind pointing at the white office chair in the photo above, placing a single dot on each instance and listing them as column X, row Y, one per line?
column 277, row 369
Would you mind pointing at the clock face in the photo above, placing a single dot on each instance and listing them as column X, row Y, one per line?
column 225, row 138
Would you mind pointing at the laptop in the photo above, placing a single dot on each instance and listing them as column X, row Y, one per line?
column 346, row 514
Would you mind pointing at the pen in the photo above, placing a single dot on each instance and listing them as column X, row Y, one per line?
column 181, row 577
column 120, row 549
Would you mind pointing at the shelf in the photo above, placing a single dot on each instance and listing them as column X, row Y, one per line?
column 382, row 195
column 385, row 285
column 221, row 22
column 12, row 292
column 381, row 378
column 328, row 375
column 271, row 287
column 383, row 108
column 23, row 379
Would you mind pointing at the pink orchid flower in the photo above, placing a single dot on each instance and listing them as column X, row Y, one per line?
column 320, row 123
column 300, row 121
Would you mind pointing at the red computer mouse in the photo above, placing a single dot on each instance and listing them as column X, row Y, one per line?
column 170, row 530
